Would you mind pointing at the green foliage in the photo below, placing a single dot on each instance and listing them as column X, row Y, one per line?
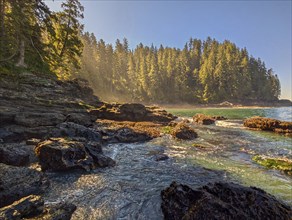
column 274, row 163
column 202, row 72
column 33, row 37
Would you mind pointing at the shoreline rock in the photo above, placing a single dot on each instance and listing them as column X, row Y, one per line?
column 268, row 124
column 184, row 132
column 221, row 201
column 59, row 154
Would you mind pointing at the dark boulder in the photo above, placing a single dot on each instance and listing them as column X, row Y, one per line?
column 61, row 154
column 184, row 132
column 221, row 201
column 203, row 119
column 13, row 155
column 18, row 182
column 268, row 124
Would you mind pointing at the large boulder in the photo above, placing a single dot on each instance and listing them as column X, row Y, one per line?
column 203, row 119
column 268, row 124
column 18, row 182
column 61, row 154
column 184, row 132
column 32, row 207
column 221, row 201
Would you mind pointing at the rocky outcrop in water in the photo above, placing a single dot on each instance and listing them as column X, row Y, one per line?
column 32, row 207
column 203, row 119
column 269, row 124
column 18, row 182
column 221, row 201
column 61, row 154
column 184, row 132
column 131, row 112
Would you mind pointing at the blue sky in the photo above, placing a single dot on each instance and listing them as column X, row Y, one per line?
column 263, row 27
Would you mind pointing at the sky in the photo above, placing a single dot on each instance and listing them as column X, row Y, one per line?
column 263, row 27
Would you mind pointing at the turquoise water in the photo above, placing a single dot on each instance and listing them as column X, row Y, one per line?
column 283, row 113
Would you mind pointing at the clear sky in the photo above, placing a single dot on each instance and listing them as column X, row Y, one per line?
column 263, row 27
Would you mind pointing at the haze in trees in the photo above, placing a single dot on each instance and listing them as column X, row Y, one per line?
column 33, row 37
column 202, row 72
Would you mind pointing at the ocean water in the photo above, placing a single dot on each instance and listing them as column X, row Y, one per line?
column 131, row 189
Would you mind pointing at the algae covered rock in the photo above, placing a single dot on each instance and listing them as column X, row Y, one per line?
column 203, row 119
column 282, row 164
column 268, row 124
column 221, row 201
column 184, row 132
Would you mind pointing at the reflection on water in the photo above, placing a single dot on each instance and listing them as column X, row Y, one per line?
column 283, row 113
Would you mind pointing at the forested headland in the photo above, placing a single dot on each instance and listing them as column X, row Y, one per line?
column 203, row 71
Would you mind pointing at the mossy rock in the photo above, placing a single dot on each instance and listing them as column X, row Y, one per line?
column 282, row 164
column 166, row 129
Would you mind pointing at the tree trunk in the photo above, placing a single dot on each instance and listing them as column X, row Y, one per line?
column 2, row 32
column 20, row 62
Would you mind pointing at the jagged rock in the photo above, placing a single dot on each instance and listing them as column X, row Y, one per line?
column 18, row 182
column 13, row 155
column 70, row 130
column 24, row 208
column 183, row 131
column 125, row 135
column 32, row 207
column 131, row 112
column 268, row 124
column 221, row 201
column 61, row 154
column 203, row 119
column 30, row 119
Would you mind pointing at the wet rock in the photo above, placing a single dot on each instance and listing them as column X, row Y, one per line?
column 184, row 132
column 203, row 119
column 18, row 182
column 125, row 135
column 32, row 207
column 26, row 207
column 13, row 155
column 60, row 211
column 61, row 154
column 29, row 119
column 70, row 130
column 131, row 112
column 221, row 201
column 160, row 157
column 268, row 124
